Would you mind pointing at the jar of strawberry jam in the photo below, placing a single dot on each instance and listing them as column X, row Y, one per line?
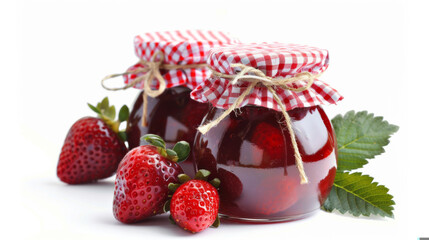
column 265, row 136
column 171, row 64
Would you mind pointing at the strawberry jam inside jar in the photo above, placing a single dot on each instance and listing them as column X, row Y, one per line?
column 171, row 64
column 173, row 115
column 251, row 149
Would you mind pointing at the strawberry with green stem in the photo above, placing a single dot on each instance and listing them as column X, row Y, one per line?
column 141, row 185
column 93, row 146
column 194, row 204
column 271, row 141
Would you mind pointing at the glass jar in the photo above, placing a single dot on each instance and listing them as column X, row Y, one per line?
column 174, row 61
column 250, row 152
column 173, row 115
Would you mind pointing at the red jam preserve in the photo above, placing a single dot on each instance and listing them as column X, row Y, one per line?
column 252, row 155
column 173, row 115
column 266, row 136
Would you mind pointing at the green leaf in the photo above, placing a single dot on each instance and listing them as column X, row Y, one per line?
column 182, row 149
column 94, row 108
column 359, row 195
column 172, row 187
column 157, row 144
column 216, row 222
column 124, row 113
column 104, row 104
column 166, row 207
column 215, row 182
column 183, row 178
column 171, row 153
column 202, row 174
column 154, row 140
column 123, row 135
column 360, row 136
column 110, row 112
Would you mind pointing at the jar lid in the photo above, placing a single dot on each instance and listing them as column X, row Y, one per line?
column 276, row 61
column 178, row 48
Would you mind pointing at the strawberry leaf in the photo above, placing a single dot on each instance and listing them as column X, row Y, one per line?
column 360, row 136
column 123, row 135
column 154, row 140
column 110, row 112
column 216, row 223
column 104, row 104
column 202, row 174
column 157, row 143
column 171, row 154
column 183, row 178
column 166, row 207
column 357, row 194
column 182, row 149
column 172, row 187
column 215, row 182
column 124, row 113
column 94, row 108
column 107, row 114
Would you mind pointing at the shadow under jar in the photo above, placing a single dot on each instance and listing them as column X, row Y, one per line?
column 173, row 115
column 250, row 151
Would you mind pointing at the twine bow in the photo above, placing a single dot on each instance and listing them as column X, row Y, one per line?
column 255, row 76
column 151, row 72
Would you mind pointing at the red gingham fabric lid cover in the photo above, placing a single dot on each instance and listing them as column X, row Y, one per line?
column 275, row 60
column 179, row 48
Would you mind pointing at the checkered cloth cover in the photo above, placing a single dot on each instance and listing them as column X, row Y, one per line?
column 275, row 60
column 179, row 48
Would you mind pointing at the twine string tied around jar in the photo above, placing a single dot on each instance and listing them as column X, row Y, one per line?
column 254, row 77
column 151, row 70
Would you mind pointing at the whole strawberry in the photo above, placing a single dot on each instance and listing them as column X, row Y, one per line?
column 93, row 149
column 271, row 141
column 194, row 205
column 141, row 186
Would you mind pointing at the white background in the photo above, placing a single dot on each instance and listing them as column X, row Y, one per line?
column 54, row 53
